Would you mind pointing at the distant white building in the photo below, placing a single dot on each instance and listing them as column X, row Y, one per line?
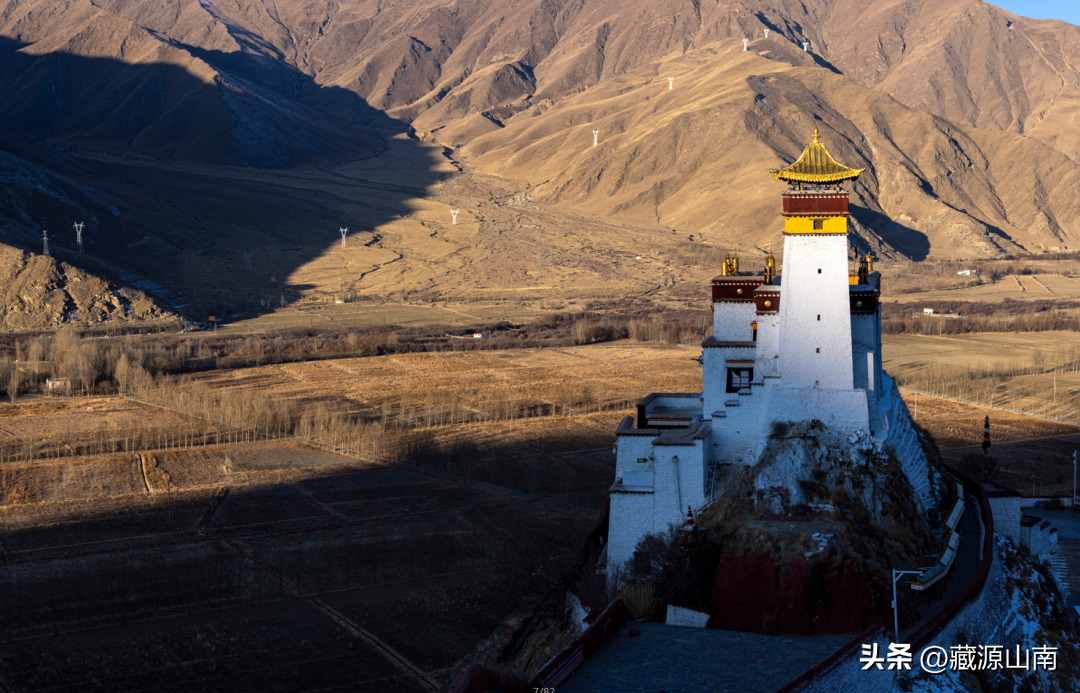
column 804, row 348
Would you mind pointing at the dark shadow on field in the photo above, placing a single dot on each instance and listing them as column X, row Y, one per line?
column 429, row 566
column 174, row 173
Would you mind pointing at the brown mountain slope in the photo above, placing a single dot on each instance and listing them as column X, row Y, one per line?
column 81, row 76
column 518, row 85
column 434, row 64
column 966, row 60
column 696, row 157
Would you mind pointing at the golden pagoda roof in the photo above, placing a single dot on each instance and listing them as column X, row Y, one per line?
column 816, row 165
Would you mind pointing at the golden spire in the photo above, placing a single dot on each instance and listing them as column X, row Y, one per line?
column 816, row 165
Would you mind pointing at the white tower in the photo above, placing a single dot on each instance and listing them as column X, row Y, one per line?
column 816, row 318
column 45, row 238
column 343, row 232
column 595, row 134
column 78, row 235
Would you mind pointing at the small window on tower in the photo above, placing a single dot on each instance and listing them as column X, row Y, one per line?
column 819, row 318
column 739, row 378
column 819, row 350
column 819, row 224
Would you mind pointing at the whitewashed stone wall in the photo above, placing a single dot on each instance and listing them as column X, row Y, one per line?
column 631, row 449
column 1041, row 541
column 1006, row 511
column 681, row 616
column 767, row 357
column 631, row 517
column 680, row 482
column 844, row 410
column 816, row 346
column 896, row 432
column 714, row 376
column 733, row 321
column 866, row 357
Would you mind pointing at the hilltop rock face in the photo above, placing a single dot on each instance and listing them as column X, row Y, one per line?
column 39, row 293
column 809, row 533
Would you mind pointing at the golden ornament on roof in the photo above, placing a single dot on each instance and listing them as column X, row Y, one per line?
column 816, row 165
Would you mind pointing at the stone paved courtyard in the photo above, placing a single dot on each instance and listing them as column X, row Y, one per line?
column 677, row 659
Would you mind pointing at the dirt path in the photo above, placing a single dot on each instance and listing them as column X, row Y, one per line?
column 391, row 655
column 395, row 658
column 142, row 466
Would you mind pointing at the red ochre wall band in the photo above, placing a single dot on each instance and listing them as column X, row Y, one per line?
column 822, row 205
column 767, row 301
column 735, row 289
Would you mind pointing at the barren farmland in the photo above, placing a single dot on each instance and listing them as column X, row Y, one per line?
column 1032, row 372
column 1037, row 372
column 565, row 381
column 210, row 554
column 241, row 528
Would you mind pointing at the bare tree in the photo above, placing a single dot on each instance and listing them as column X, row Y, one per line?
column 13, row 384
column 123, row 373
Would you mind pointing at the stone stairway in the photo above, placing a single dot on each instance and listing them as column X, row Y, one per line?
column 1066, row 563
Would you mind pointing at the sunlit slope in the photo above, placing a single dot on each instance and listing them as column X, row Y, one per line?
column 695, row 157
column 437, row 64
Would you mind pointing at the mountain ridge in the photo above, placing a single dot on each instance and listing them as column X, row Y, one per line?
column 960, row 111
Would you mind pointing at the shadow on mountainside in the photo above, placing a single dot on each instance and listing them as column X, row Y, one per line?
column 206, row 190
column 797, row 30
column 911, row 242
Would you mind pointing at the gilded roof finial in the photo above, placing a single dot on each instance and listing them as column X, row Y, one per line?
column 816, row 166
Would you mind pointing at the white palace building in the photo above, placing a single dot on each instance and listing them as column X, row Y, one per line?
column 807, row 347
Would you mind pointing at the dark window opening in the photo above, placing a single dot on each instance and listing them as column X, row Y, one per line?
column 819, row 271
column 739, row 378
column 819, row 224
